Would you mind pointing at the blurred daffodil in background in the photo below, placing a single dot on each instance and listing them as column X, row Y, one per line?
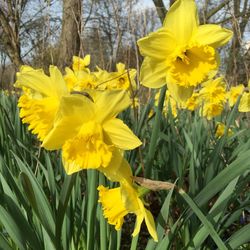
column 244, row 105
column 80, row 78
column 234, row 93
column 212, row 98
column 122, row 78
column 221, row 130
column 81, row 64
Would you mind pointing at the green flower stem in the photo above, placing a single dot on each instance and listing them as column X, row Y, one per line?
column 92, row 176
column 63, row 204
column 103, row 223
column 119, row 238
column 155, row 134
column 134, row 242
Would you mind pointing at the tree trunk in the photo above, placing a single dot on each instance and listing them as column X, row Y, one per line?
column 71, row 31
column 10, row 35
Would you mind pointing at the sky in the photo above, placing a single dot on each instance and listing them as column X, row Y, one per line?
column 148, row 3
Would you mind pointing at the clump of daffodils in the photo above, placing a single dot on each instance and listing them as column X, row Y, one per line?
column 80, row 78
column 73, row 114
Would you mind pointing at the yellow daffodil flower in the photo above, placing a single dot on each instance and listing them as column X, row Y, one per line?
column 234, row 93
column 81, row 64
column 118, row 202
column 244, row 105
column 79, row 80
column 40, row 99
column 221, row 129
column 136, row 102
column 181, row 53
column 193, row 102
column 213, row 97
column 88, row 132
column 121, row 79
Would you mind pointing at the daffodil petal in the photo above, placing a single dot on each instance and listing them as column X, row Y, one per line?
column 120, row 67
column 118, row 169
column 150, row 223
column 80, row 64
column 244, row 105
column 153, row 73
column 130, row 197
column 87, row 60
column 59, row 84
column 139, row 220
column 71, row 167
column 157, row 44
column 25, row 68
column 182, row 20
column 110, row 103
column 120, row 134
column 73, row 111
column 179, row 93
column 212, row 35
column 234, row 94
column 36, row 80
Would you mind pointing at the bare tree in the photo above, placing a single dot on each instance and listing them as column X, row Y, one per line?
column 10, row 13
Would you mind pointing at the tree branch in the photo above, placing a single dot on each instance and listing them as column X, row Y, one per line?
column 216, row 9
column 161, row 9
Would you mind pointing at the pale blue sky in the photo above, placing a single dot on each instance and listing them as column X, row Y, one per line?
column 149, row 3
